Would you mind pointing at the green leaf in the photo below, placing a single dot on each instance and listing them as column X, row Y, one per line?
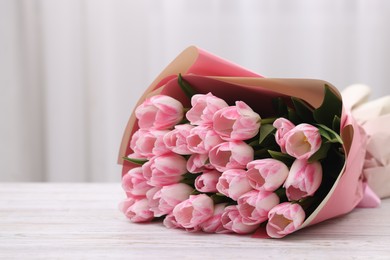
column 187, row 88
column 270, row 120
column 303, row 110
column 330, row 107
column 265, row 130
column 321, row 153
column 324, row 133
column 336, row 123
column 329, row 134
column 285, row 158
column 134, row 160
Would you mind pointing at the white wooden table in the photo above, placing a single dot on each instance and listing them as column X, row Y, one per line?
column 73, row 221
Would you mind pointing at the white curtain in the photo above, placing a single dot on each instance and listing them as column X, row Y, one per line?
column 72, row 70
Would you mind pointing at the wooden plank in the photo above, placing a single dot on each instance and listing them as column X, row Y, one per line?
column 73, row 221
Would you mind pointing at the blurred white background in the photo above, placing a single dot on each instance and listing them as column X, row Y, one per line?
column 72, row 70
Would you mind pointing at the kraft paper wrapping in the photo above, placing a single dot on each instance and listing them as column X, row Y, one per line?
column 208, row 73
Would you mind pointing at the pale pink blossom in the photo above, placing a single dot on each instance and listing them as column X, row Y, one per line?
column 201, row 139
column 255, row 205
column 159, row 112
column 233, row 183
column 232, row 220
column 148, row 143
column 203, row 108
column 283, row 126
column 135, row 183
column 214, row 224
column 130, row 200
column 207, row 181
column 266, row 174
column 176, row 140
column 165, row 169
column 303, row 180
column 237, row 122
column 153, row 199
column 199, row 163
column 170, row 222
column 194, row 211
column 137, row 210
column 231, row 155
column 284, row 219
column 303, row 141
column 163, row 200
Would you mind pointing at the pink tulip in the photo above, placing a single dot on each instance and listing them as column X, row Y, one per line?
column 266, row 174
column 303, row 141
column 199, row 163
column 232, row 220
column 137, row 210
column 303, row 180
column 154, row 195
column 135, row 183
column 159, row 112
column 214, row 224
column 231, row 155
column 165, row 169
column 148, row 143
column 237, row 122
column 128, row 202
column 170, row 221
column 203, row 108
column 283, row 126
column 255, row 205
column 201, row 139
column 284, row 219
column 162, row 201
column 176, row 140
column 207, row 181
column 194, row 211
column 233, row 183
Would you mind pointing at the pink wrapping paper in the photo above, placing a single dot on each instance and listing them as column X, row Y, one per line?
column 206, row 72
column 374, row 117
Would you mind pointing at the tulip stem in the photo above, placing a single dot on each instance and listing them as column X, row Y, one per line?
column 268, row 120
column 263, row 151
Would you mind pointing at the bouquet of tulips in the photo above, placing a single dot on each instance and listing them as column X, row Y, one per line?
column 240, row 153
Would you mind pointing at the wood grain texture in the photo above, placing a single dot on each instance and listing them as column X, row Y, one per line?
column 81, row 221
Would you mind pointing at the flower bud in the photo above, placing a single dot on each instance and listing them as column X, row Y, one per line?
column 194, row 211
column 255, row 205
column 303, row 180
column 284, row 219
column 203, row 108
column 266, row 174
column 231, row 155
column 233, row 183
column 237, row 122
column 159, row 112
column 303, row 141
